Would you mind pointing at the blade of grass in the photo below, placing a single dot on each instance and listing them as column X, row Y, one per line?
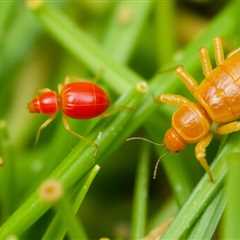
column 7, row 172
column 125, row 26
column 165, row 31
column 56, row 230
column 141, row 194
column 6, row 10
column 208, row 222
column 204, row 192
column 232, row 230
column 65, row 211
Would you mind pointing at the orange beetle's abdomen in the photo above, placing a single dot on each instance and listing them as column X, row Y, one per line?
column 220, row 92
column 190, row 122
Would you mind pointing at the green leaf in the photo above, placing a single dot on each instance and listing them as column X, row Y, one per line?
column 232, row 230
column 208, row 222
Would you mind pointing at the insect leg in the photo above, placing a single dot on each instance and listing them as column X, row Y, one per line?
column 229, row 128
column 205, row 61
column 200, row 153
column 218, row 48
column 60, row 87
column 69, row 129
column 233, row 52
column 172, row 99
column 187, row 79
column 44, row 90
column 44, row 125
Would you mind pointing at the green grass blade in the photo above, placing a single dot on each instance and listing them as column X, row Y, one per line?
column 56, row 230
column 141, row 195
column 7, row 172
column 208, row 222
column 204, row 192
column 232, row 230
column 67, row 214
column 125, row 26
column 165, row 31
column 6, row 10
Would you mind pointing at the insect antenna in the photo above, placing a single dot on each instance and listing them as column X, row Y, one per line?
column 157, row 164
column 143, row 139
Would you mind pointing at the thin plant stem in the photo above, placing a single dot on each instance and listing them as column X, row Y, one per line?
column 140, row 198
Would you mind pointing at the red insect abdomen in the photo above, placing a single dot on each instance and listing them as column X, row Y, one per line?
column 83, row 100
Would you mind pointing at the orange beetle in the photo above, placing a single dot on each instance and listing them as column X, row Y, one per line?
column 218, row 97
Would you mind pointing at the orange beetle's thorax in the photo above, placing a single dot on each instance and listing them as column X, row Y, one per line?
column 219, row 93
column 191, row 122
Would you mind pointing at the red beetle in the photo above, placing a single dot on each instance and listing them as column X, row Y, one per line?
column 78, row 100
